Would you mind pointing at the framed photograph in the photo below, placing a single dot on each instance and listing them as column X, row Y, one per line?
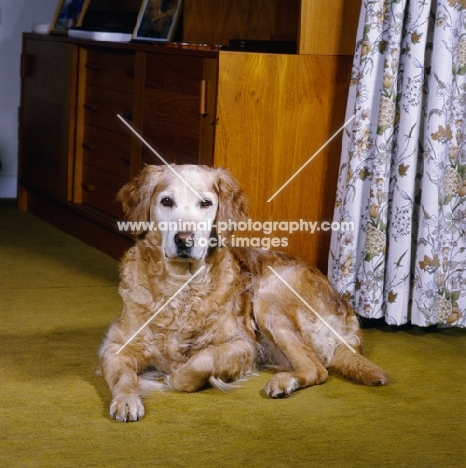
column 67, row 15
column 157, row 20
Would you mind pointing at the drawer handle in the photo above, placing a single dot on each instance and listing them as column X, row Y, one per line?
column 129, row 72
column 203, row 98
column 89, row 146
column 91, row 107
column 126, row 161
column 88, row 187
column 92, row 66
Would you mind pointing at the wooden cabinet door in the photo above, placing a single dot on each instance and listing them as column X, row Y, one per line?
column 47, row 117
column 179, row 108
column 274, row 113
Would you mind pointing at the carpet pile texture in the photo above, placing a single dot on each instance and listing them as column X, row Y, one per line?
column 57, row 298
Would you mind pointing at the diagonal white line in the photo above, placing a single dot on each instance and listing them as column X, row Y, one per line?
column 158, row 155
column 313, row 310
column 310, row 159
column 161, row 308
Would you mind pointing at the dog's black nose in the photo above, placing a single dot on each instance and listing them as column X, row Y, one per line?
column 184, row 240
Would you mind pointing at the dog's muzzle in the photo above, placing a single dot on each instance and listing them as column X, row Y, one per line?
column 184, row 242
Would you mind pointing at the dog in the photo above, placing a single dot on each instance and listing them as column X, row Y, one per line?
column 198, row 312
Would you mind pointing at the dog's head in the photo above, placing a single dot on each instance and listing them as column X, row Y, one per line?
column 182, row 206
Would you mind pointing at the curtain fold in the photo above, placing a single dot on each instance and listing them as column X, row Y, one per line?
column 402, row 179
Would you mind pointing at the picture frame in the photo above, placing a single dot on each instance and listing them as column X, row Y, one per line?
column 68, row 14
column 157, row 20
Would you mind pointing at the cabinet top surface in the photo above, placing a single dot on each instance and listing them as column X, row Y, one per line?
column 164, row 48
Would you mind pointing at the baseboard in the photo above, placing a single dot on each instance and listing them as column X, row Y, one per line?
column 8, row 186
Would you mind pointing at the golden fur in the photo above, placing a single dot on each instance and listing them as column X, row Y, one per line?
column 233, row 317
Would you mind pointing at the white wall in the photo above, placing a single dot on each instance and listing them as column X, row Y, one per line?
column 16, row 16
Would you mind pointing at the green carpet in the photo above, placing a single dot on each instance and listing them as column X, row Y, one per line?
column 57, row 298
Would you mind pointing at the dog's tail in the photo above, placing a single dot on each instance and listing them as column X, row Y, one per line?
column 357, row 368
column 152, row 381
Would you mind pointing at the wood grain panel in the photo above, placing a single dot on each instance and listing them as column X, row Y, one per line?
column 328, row 27
column 274, row 112
column 172, row 128
column 114, row 70
column 100, row 189
column 172, row 121
column 42, row 168
column 287, row 20
column 209, row 120
column 176, row 74
column 47, row 117
column 218, row 21
column 107, row 150
column 102, row 106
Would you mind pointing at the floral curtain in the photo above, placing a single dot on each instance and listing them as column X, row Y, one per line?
column 402, row 179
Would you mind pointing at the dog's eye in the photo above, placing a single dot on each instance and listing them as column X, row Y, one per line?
column 166, row 201
column 206, row 203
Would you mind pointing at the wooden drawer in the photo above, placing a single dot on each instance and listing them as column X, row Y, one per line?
column 107, row 150
column 100, row 189
column 110, row 70
column 102, row 105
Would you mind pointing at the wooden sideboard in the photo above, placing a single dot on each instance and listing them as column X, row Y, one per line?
column 260, row 114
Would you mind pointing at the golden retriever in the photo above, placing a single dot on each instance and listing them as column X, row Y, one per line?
column 233, row 317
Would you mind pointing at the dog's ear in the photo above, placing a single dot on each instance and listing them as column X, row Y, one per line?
column 233, row 204
column 136, row 195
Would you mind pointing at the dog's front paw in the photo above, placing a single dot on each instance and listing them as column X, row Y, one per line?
column 281, row 385
column 284, row 383
column 127, row 408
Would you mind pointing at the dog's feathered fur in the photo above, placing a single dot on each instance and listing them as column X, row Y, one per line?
column 233, row 317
